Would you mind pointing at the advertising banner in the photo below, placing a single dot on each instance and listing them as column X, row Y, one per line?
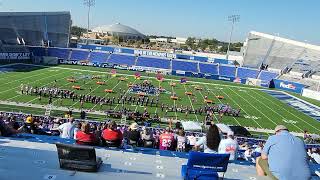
column 288, row 86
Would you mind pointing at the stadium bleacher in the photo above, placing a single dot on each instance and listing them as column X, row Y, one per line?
column 153, row 62
column 98, row 57
column 209, row 68
column 187, row 66
column 79, row 55
column 229, row 71
column 59, row 53
column 247, row 73
column 121, row 59
column 37, row 51
column 267, row 75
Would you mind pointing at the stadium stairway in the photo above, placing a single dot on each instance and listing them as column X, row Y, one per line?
column 35, row 157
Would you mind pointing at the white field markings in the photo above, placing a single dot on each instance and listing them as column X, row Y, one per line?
column 176, row 80
column 265, row 106
column 206, row 112
column 238, row 106
column 107, row 93
column 254, row 107
column 34, row 82
column 92, row 90
column 275, row 111
column 28, row 83
column 190, row 102
column 37, row 74
column 174, row 101
column 124, row 95
column 286, row 110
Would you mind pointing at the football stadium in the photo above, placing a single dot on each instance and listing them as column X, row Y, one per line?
column 107, row 95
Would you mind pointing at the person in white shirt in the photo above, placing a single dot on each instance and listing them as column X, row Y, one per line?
column 192, row 140
column 229, row 146
column 66, row 129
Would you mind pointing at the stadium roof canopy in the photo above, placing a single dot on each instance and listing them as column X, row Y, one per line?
column 119, row 30
column 279, row 53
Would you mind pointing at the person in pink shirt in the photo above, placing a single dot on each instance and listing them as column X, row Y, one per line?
column 166, row 140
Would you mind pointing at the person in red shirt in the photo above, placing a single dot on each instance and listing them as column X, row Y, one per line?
column 166, row 140
column 112, row 135
column 85, row 137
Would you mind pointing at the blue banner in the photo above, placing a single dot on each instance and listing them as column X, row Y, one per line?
column 96, row 47
column 230, row 79
column 287, row 86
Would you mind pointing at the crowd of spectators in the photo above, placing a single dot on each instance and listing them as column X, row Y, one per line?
column 283, row 145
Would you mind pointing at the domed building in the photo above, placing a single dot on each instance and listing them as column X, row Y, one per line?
column 119, row 30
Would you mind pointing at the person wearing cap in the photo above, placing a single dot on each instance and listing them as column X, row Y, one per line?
column 283, row 157
column 229, row 146
column 133, row 134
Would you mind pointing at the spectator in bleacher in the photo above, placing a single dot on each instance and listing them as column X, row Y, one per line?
column 84, row 136
column 166, row 140
column 112, row 135
column 211, row 141
column 283, row 157
column 181, row 140
column 314, row 153
column 229, row 146
column 76, row 129
column 133, row 134
column 147, row 138
column 8, row 130
column 66, row 129
column 192, row 140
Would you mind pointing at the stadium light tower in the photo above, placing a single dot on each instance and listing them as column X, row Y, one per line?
column 89, row 4
column 233, row 19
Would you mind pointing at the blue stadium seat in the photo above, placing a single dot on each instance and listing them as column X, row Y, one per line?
column 153, row 62
column 247, row 73
column 187, row 66
column 98, row 57
column 229, row 71
column 204, row 166
column 267, row 75
column 208, row 68
column 59, row 53
column 120, row 59
column 79, row 55
column 38, row 51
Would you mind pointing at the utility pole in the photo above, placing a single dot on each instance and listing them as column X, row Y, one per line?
column 233, row 19
column 89, row 4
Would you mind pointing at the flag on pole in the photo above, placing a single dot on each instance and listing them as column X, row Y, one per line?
column 137, row 75
column 113, row 73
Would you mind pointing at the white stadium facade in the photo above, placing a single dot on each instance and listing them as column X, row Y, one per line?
column 295, row 61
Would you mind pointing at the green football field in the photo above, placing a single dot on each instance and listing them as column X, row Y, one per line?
column 258, row 109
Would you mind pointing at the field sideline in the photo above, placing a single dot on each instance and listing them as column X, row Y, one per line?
column 259, row 110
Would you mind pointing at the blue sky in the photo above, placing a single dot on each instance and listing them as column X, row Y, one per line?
column 293, row 19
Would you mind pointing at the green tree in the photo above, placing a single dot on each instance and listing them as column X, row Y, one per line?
column 77, row 31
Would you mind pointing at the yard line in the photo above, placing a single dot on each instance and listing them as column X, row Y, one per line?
column 89, row 92
column 176, row 80
column 174, row 102
column 107, row 93
column 124, row 94
column 237, row 105
column 206, row 112
column 191, row 103
column 25, row 78
column 31, row 83
column 254, row 107
column 286, row 110
column 273, row 110
column 233, row 101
